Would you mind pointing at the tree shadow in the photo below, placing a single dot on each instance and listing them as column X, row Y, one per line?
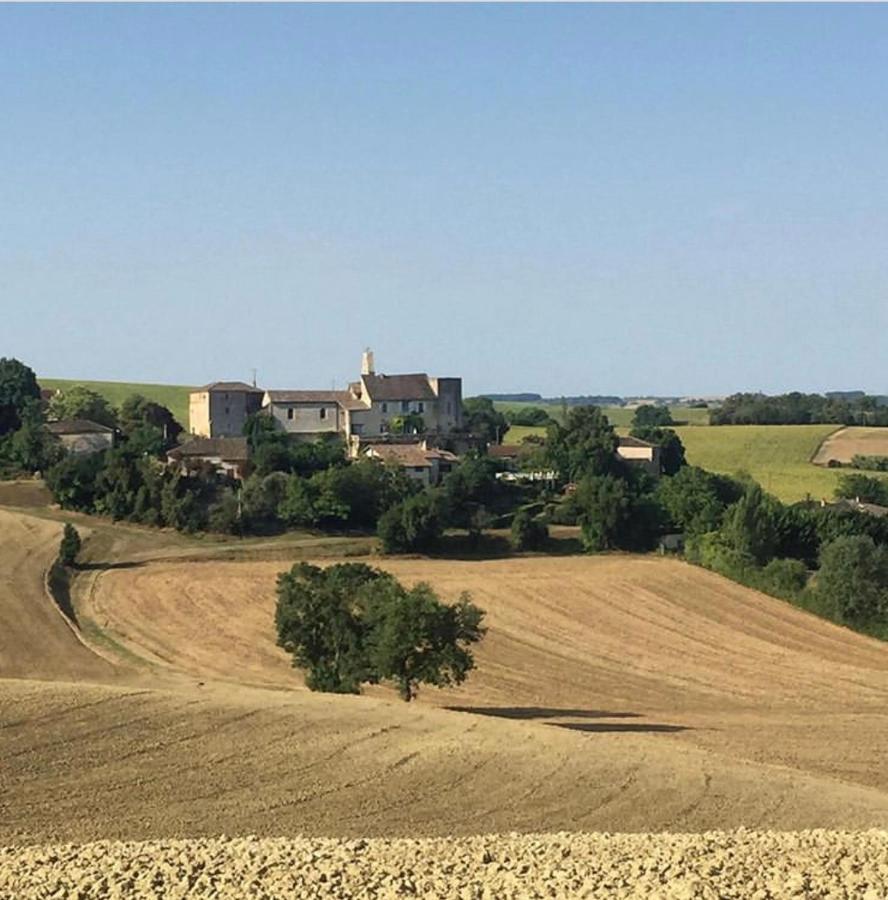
column 610, row 727
column 542, row 712
column 103, row 566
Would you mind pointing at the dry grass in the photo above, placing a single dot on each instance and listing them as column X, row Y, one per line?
column 846, row 443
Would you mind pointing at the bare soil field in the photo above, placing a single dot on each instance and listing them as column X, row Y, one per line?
column 766, row 866
column 594, row 645
column 846, row 443
column 615, row 693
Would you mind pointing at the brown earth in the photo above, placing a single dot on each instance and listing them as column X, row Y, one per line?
column 617, row 693
column 764, row 866
column 845, row 443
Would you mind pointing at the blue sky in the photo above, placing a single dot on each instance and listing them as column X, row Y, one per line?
column 568, row 199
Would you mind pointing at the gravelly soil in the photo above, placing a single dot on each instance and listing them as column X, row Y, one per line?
column 739, row 864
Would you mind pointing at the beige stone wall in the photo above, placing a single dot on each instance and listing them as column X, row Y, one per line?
column 307, row 418
column 199, row 413
column 87, row 443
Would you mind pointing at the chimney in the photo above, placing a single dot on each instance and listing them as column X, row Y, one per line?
column 367, row 362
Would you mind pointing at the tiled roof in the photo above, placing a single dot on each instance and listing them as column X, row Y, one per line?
column 306, row 396
column 233, row 386
column 77, row 426
column 402, row 454
column 399, row 387
column 504, row 451
column 234, row 449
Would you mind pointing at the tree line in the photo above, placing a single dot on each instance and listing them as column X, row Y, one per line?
column 798, row 409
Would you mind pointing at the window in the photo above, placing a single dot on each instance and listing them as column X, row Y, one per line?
column 322, row 412
column 356, row 428
column 405, row 406
column 449, row 407
column 290, row 412
column 420, row 407
column 227, row 410
column 385, row 407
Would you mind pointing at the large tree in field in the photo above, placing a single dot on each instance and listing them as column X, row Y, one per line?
column 585, row 445
column 351, row 624
column 147, row 423
column 18, row 390
column 649, row 416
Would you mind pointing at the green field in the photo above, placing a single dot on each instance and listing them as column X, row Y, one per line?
column 777, row 456
column 172, row 396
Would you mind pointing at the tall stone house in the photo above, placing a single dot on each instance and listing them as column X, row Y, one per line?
column 221, row 409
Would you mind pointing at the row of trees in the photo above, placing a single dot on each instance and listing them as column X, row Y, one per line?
column 798, row 409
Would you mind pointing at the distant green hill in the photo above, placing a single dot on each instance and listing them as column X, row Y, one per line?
column 172, row 396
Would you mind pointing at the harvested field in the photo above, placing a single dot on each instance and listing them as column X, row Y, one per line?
column 36, row 640
column 846, row 443
column 614, row 693
column 815, row 865
column 594, row 645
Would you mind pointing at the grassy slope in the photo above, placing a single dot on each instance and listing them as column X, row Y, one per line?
column 777, row 456
column 173, row 396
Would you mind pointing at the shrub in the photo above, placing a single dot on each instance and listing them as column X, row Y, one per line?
column 528, row 533
column 70, row 545
column 416, row 523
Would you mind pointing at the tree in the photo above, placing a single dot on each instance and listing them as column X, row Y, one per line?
column 852, row 583
column 696, row 499
column 416, row 523
column 351, row 624
column 750, row 525
column 18, row 388
column 604, row 506
column 32, row 447
column 534, row 416
column 72, row 481
column 149, row 425
column 866, row 488
column 413, row 638
column 70, row 545
column 617, row 514
column 320, row 622
column 79, row 402
column 649, row 416
column 528, row 532
column 585, row 445
column 672, row 451
column 482, row 419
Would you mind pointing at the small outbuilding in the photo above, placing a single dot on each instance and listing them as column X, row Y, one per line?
column 80, row 436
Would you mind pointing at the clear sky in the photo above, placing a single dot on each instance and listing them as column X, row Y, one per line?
column 567, row 199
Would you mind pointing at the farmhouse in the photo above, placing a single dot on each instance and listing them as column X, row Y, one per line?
column 81, row 436
column 640, row 453
column 420, row 462
column 221, row 409
column 228, row 454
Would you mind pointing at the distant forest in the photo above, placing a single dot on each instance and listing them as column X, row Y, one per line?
column 847, row 408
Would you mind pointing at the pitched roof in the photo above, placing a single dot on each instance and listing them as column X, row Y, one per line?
column 228, row 386
column 306, row 396
column 627, row 441
column 77, row 426
column 504, row 451
column 399, row 387
column 233, row 449
column 401, row 454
